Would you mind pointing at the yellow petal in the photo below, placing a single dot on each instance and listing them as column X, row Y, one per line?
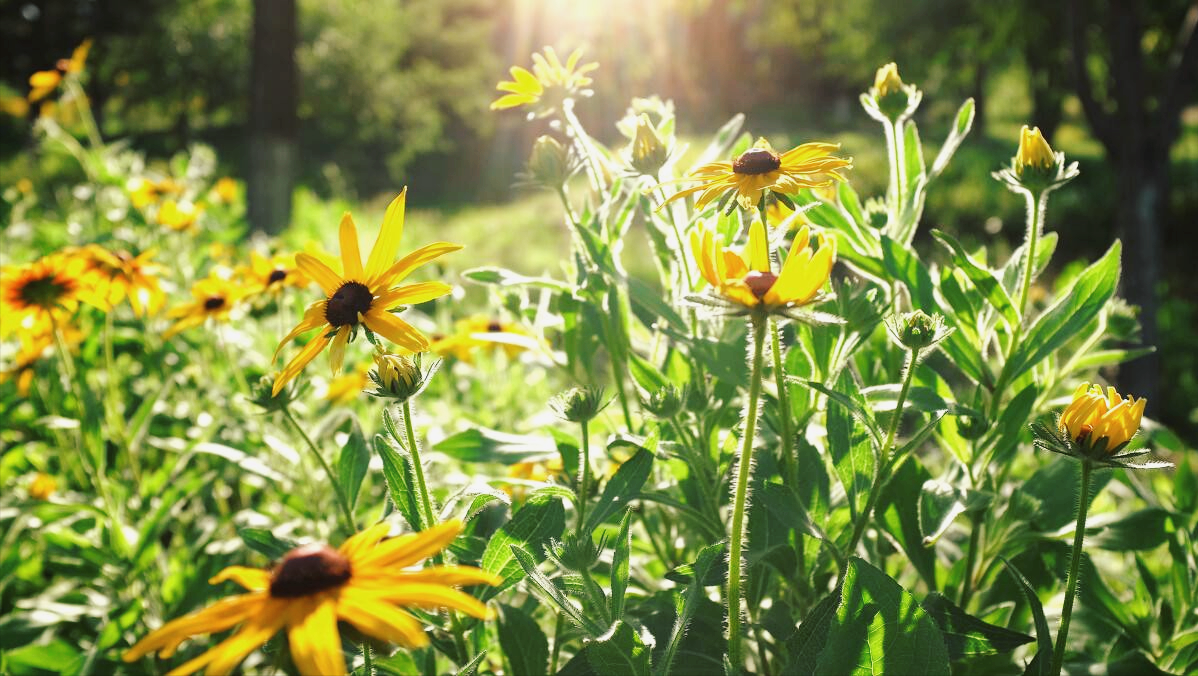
column 300, row 360
column 406, row 550
column 253, row 579
column 218, row 617
column 379, row 620
column 227, row 655
column 758, row 248
column 351, row 258
column 406, row 265
column 449, row 575
column 412, row 294
column 311, row 266
column 512, row 101
column 433, row 596
column 386, row 246
column 396, row 330
column 364, row 540
column 312, row 634
column 337, row 349
column 314, row 316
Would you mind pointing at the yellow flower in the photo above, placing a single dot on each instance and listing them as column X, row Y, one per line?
column 760, row 170
column 116, row 275
column 480, row 331
column 214, row 297
column 1101, row 421
column 41, row 292
column 531, row 470
column 16, row 106
column 225, row 190
column 746, row 279
column 362, row 583
column 550, row 79
column 271, row 275
column 887, row 80
column 33, row 346
column 362, row 295
column 43, row 83
column 144, row 192
column 42, row 486
column 344, row 389
column 1033, row 152
column 179, row 216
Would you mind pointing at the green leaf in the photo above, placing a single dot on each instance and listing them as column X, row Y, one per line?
column 898, row 510
column 480, row 444
column 809, row 641
column 524, row 644
column 969, row 636
column 913, row 149
column 962, row 123
column 526, row 562
column 505, row 277
column 264, row 542
column 57, row 657
column 542, row 517
column 399, row 664
column 649, row 300
column 1139, row 531
column 1076, row 307
column 710, row 559
column 401, row 481
column 646, row 375
column 1043, row 657
column 984, row 280
column 619, row 652
column 619, row 565
column 471, row 668
column 1185, row 486
column 883, row 399
column 352, row 465
column 851, row 404
column 904, row 265
column 879, row 628
column 940, row 503
column 621, row 488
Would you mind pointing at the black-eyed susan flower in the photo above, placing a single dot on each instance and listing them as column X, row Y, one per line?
column 117, row 275
column 745, row 282
column 213, row 297
column 362, row 583
column 178, row 215
column 1096, row 426
column 146, row 191
column 364, row 295
column 760, row 170
column 549, row 83
column 273, row 274
column 480, row 331
column 41, row 293
column 44, row 82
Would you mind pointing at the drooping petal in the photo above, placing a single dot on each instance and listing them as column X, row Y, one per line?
column 386, row 246
column 218, row 617
column 317, row 271
column 406, row 265
column 300, row 360
column 758, row 252
column 314, row 316
column 432, row 596
column 312, row 634
column 253, row 579
column 227, row 655
column 337, row 349
column 412, row 294
column 351, row 257
column 396, row 330
column 378, row 619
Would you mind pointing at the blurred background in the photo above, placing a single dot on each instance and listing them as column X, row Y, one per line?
column 319, row 105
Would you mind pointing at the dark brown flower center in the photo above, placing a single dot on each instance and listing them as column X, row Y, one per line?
column 760, row 282
column 277, row 275
column 494, row 327
column 44, row 292
column 308, row 570
column 214, row 303
column 347, row 302
column 756, row 161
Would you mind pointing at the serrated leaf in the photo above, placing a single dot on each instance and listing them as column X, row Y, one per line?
column 969, row 636
column 528, row 564
column 353, row 463
column 401, row 482
column 542, row 517
column 619, row 652
column 471, row 668
column 524, row 644
column 984, row 279
column 621, row 489
column 708, row 561
column 898, row 512
column 265, row 543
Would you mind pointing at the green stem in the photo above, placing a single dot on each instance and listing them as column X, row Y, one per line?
column 744, row 468
column 368, row 663
column 414, row 449
column 894, row 193
column 790, row 471
column 584, row 475
column 975, row 543
column 1036, row 204
column 1058, row 655
column 881, row 465
column 346, row 513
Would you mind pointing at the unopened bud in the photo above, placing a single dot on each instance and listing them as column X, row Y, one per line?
column 916, row 330
column 1034, row 153
column 397, row 376
column 549, row 164
column 579, row 404
column 648, row 153
column 664, row 402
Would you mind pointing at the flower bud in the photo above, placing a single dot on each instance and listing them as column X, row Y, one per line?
column 971, row 426
column 1034, row 153
column 576, row 551
column 887, row 80
column 1035, row 167
column 579, row 404
column 397, row 376
column 917, row 331
column 549, row 164
column 647, row 153
column 889, row 98
column 263, row 398
column 664, row 402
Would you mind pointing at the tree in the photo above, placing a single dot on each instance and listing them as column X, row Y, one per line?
column 1133, row 75
column 274, row 98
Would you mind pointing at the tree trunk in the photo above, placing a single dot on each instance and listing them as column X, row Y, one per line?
column 274, row 97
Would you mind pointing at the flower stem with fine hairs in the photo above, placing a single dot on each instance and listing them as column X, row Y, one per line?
column 1075, row 559
column 346, row 513
column 744, row 467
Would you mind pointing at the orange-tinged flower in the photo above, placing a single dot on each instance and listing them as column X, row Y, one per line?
column 146, row 191
column 41, row 292
column 117, row 275
column 760, row 170
column 746, row 278
column 225, row 190
column 362, row 295
column 1101, row 421
column 42, row 486
column 363, row 583
column 43, row 83
column 214, row 297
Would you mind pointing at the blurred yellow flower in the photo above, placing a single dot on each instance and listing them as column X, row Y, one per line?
column 363, row 583
column 346, row 388
column 225, row 190
column 480, row 331
column 272, row 275
column 363, row 295
column 42, row 292
column 213, row 298
column 1034, row 152
column 144, row 191
column 550, row 80
column 746, row 279
column 33, row 345
column 117, row 275
column 43, row 83
column 531, row 470
column 759, row 170
column 179, row 216
column 42, row 486
column 16, row 106
column 1104, row 422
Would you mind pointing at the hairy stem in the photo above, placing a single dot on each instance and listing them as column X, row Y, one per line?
column 1075, row 560
column 346, row 513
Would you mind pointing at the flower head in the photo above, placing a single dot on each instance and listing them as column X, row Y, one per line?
column 579, row 404
column 272, row 275
column 759, row 171
column 549, row 84
column 34, row 344
column 889, row 99
column 44, row 82
column 225, row 190
column 648, row 152
column 1096, row 427
column 363, row 295
column 179, row 215
column 213, row 297
column 363, row 583
column 117, row 275
column 1034, row 152
column 42, row 486
column 482, row 331
column 145, row 191
column 41, row 292
column 887, row 80
column 1035, row 166
column 745, row 279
